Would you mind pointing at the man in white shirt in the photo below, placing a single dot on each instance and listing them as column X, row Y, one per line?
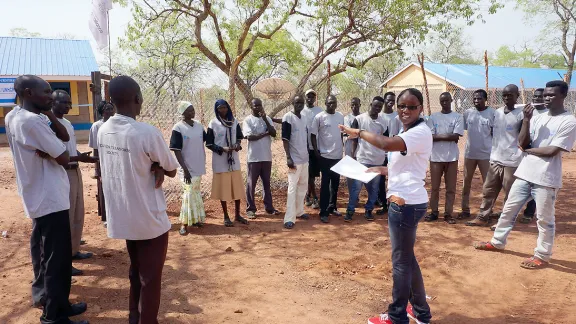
column 62, row 103
column 505, row 156
column 447, row 126
column 348, row 120
column 543, row 138
column 44, row 189
column 294, row 139
column 478, row 122
column 328, row 148
column 308, row 113
column 369, row 156
column 135, row 203
column 393, row 124
column 258, row 130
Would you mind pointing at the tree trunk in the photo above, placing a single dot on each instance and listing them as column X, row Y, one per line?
column 570, row 68
column 232, row 88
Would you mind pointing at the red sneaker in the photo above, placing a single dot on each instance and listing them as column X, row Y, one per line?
column 411, row 315
column 382, row 319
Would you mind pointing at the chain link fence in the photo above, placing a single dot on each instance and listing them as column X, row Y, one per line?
column 159, row 109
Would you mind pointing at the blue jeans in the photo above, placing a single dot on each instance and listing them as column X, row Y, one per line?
column 354, row 187
column 408, row 284
column 545, row 199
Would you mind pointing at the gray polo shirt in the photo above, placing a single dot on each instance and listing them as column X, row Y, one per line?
column 479, row 126
column 260, row 150
column 367, row 153
column 439, row 123
column 505, row 149
column 393, row 123
column 328, row 135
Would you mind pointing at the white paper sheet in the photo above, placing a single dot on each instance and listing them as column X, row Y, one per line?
column 351, row 168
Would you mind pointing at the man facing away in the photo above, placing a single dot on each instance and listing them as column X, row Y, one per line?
column 478, row 122
column 505, row 156
column 294, row 139
column 309, row 112
column 44, row 188
column 369, row 156
column 135, row 203
column 258, row 130
column 328, row 148
column 543, row 139
column 447, row 127
column 348, row 120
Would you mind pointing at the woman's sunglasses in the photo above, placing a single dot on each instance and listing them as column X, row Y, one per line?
column 402, row 107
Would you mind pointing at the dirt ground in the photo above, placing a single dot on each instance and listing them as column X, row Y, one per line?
column 315, row 273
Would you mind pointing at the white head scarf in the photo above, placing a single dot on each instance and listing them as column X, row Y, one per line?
column 182, row 106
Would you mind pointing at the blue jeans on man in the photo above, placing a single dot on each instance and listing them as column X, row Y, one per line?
column 354, row 188
column 408, row 285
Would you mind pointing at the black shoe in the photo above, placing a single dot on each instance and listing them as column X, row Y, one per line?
column 378, row 203
column 324, row 219
column 348, row 217
column 77, row 272
column 82, row 256
column 368, row 215
column 304, row 217
column 77, row 309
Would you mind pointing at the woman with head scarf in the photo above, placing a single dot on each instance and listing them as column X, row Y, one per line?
column 223, row 138
column 105, row 111
column 187, row 143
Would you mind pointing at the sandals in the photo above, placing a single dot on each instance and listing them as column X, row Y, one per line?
column 273, row 212
column 449, row 219
column 228, row 222
column 526, row 219
column 463, row 215
column 183, row 231
column 431, row 217
column 241, row 220
column 485, row 246
column 534, row 263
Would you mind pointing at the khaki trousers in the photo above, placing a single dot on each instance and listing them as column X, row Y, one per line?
column 469, row 170
column 76, row 214
column 450, row 172
column 499, row 177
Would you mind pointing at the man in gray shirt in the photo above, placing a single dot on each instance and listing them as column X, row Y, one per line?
column 447, row 127
column 258, row 130
column 505, row 156
column 478, row 122
column 328, row 148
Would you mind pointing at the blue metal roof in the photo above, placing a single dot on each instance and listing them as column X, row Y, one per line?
column 40, row 56
column 473, row 76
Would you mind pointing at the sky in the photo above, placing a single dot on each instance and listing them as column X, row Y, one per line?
column 52, row 18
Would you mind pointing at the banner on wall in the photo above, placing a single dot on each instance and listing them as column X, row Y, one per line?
column 7, row 92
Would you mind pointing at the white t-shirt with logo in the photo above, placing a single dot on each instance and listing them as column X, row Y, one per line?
column 547, row 130
column 294, row 131
column 328, row 135
column 42, row 183
column 392, row 122
column 71, row 144
column 309, row 114
column 135, row 209
column 505, row 149
column 190, row 141
column 220, row 133
column 93, row 136
column 440, row 123
column 537, row 112
column 479, row 126
column 406, row 173
column 367, row 153
column 348, row 120
column 260, row 150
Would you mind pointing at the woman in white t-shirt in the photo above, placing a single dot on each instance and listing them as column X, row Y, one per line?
column 187, row 143
column 408, row 156
column 223, row 138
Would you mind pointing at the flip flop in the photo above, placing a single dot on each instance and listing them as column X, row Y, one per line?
column 485, row 246
column 534, row 263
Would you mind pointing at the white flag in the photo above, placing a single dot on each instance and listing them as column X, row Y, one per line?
column 99, row 21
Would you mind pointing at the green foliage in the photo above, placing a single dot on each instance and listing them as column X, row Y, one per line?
column 450, row 45
column 23, row 32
